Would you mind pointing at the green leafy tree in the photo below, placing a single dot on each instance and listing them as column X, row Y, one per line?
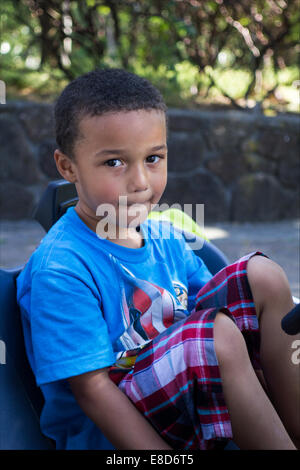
column 189, row 48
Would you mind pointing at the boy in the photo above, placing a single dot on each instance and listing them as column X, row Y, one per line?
column 113, row 349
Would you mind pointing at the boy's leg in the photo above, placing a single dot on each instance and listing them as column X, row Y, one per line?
column 255, row 423
column 176, row 384
column 273, row 300
column 176, row 381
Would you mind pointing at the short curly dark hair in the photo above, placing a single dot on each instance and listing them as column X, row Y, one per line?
column 98, row 92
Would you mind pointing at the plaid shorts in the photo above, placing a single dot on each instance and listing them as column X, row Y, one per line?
column 176, row 381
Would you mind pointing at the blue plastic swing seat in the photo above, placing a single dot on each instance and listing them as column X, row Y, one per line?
column 21, row 400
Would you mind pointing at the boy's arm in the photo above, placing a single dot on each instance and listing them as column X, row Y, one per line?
column 112, row 411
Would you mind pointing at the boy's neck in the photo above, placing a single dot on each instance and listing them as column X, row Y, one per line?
column 130, row 238
column 123, row 236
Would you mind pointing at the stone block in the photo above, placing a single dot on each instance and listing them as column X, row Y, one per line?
column 18, row 161
column 276, row 143
column 16, row 201
column 226, row 136
column 255, row 163
column 185, row 151
column 38, row 120
column 243, row 166
column 199, row 188
column 46, row 160
column 228, row 165
column 180, row 120
column 259, row 197
column 289, row 170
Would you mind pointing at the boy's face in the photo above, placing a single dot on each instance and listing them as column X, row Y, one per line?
column 120, row 154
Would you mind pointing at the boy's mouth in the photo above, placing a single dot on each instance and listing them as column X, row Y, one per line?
column 131, row 204
column 123, row 201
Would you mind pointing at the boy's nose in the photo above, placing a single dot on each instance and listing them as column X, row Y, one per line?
column 138, row 179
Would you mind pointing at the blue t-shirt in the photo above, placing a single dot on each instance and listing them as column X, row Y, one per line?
column 87, row 303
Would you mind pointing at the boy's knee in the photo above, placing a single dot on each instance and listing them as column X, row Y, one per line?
column 230, row 346
column 267, row 280
column 264, row 270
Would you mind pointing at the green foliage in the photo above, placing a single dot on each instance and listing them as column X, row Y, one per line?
column 197, row 52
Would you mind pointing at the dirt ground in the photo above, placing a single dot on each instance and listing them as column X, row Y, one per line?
column 279, row 240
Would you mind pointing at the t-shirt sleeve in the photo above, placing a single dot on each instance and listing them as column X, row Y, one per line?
column 197, row 275
column 68, row 332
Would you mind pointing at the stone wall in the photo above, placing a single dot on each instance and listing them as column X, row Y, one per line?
column 243, row 166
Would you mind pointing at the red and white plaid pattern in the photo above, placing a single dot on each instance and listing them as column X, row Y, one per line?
column 176, row 381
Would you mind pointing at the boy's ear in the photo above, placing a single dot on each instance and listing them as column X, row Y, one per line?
column 65, row 166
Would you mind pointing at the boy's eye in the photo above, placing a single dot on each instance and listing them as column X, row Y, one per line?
column 153, row 159
column 113, row 162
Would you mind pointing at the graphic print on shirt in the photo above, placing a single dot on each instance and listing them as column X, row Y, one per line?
column 147, row 310
column 181, row 293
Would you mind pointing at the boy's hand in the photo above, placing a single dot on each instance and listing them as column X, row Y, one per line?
column 110, row 409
